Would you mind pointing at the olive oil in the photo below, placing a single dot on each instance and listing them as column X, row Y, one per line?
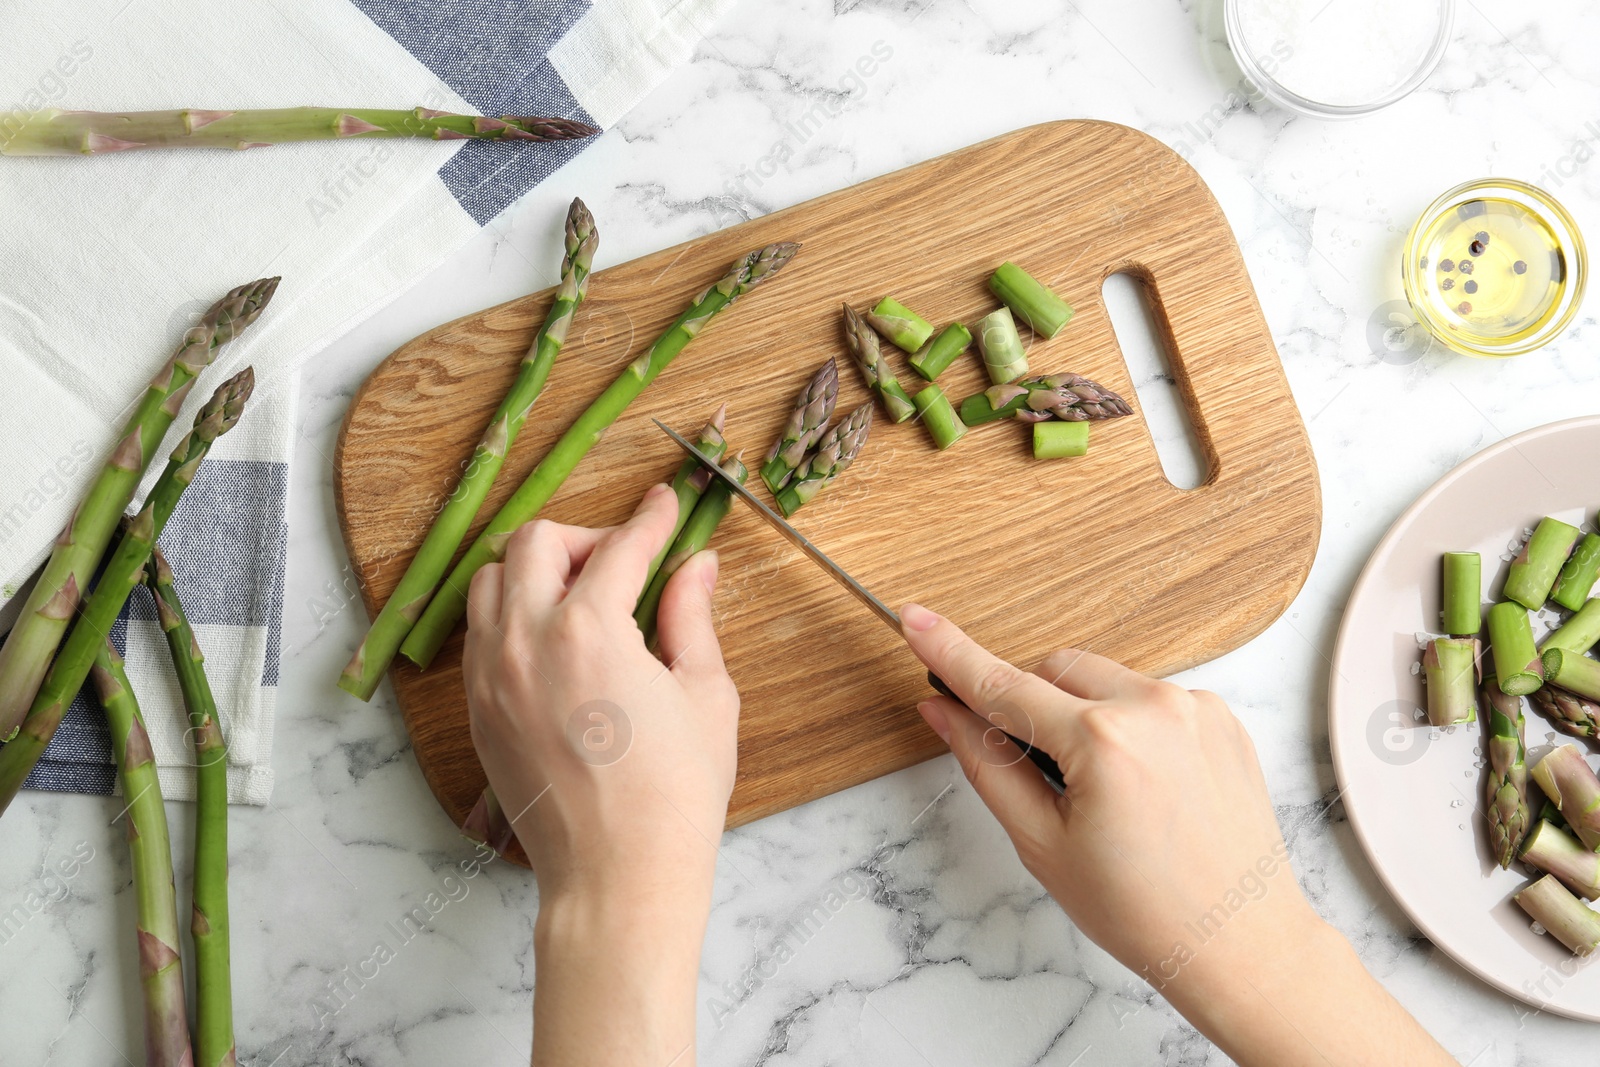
column 1494, row 268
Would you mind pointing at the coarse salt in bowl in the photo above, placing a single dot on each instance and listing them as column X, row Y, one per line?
column 1338, row 58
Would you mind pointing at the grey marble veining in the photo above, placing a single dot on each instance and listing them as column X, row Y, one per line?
column 909, row 932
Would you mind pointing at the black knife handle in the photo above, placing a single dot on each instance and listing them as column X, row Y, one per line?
column 1037, row 756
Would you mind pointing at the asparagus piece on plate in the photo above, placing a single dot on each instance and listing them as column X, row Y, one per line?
column 875, row 369
column 1463, row 593
column 1060, row 440
column 807, row 421
column 903, row 327
column 1572, row 671
column 691, row 481
column 1565, row 917
column 1069, row 397
column 376, row 651
column 695, row 535
column 1567, row 712
column 449, row 603
column 1551, row 849
column 166, row 1026
column 1506, row 795
column 487, row 824
column 1450, row 669
column 1551, row 814
column 1516, row 659
column 117, row 579
column 213, row 978
column 90, row 133
column 1566, row 778
column 943, row 425
column 1004, row 358
column 1576, row 579
column 26, row 655
column 1534, row 571
column 837, row 449
column 1034, row 304
column 1579, row 633
column 933, row 358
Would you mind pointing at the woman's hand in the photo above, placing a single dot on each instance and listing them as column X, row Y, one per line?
column 1164, row 849
column 615, row 768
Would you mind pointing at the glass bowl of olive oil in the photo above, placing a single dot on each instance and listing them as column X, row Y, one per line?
column 1494, row 267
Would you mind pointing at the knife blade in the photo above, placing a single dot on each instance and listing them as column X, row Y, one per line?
column 843, row 577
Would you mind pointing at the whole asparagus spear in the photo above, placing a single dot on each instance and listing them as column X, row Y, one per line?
column 835, row 452
column 863, row 342
column 213, row 981
column 1069, row 397
column 411, row 595
column 449, row 603
column 121, row 573
column 1506, row 794
column 690, row 482
column 809, row 418
column 1567, row 712
column 70, row 133
column 27, row 652
column 695, row 535
column 166, row 1026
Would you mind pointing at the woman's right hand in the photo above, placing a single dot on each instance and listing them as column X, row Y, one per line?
column 1164, row 848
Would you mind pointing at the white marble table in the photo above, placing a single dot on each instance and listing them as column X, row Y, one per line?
column 943, row 949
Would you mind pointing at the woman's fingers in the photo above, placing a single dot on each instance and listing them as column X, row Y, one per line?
column 541, row 558
column 614, row 575
column 484, row 596
column 1023, row 704
column 1092, row 677
column 1005, row 780
column 685, row 629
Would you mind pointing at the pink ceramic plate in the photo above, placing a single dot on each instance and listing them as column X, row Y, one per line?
column 1414, row 794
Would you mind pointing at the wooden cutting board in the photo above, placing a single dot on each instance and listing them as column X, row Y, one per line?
column 1101, row 553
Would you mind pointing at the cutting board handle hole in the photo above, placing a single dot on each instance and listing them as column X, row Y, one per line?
column 1142, row 336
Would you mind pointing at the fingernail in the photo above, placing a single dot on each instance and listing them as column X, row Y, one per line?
column 708, row 569
column 657, row 489
column 917, row 617
column 935, row 717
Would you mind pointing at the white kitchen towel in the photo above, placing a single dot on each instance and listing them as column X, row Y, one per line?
column 105, row 261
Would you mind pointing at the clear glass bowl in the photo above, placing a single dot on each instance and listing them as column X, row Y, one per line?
column 1259, row 63
column 1540, row 293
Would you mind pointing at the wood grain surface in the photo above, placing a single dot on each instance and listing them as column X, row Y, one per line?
column 1100, row 553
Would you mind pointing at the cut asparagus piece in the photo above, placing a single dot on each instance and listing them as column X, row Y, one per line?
column 1534, row 571
column 120, row 574
column 695, row 536
column 1551, row 849
column 1552, row 814
column 1576, row 580
column 1506, row 794
column 835, row 452
column 935, row 357
column 449, row 603
column 1462, row 594
column 166, row 1026
column 487, row 823
column 26, row 654
column 1579, row 633
column 863, row 343
column 691, row 481
column 1563, row 916
column 1566, row 778
column 1034, row 304
column 1060, row 440
column 1004, row 358
column 1573, row 672
column 213, row 977
column 377, row 650
column 1516, row 659
column 1567, row 712
column 1450, row 670
column 73, row 133
column 1069, row 397
column 901, row 326
column 942, row 423
column 807, row 421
